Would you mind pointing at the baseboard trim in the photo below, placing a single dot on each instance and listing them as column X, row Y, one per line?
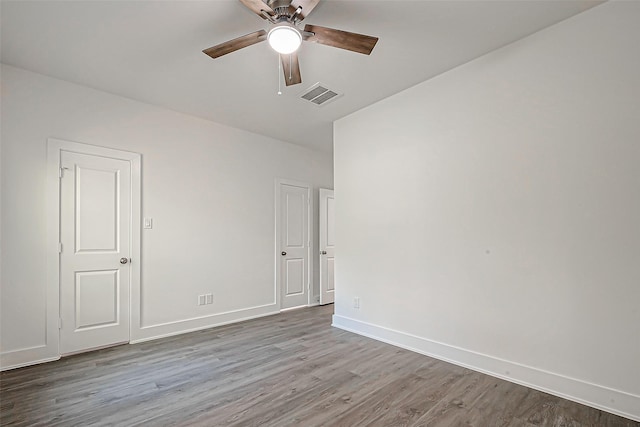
column 26, row 357
column 298, row 307
column 154, row 332
column 607, row 399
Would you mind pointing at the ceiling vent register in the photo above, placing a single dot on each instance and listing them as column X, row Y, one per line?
column 319, row 94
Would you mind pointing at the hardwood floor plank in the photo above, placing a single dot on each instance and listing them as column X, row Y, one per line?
column 291, row 369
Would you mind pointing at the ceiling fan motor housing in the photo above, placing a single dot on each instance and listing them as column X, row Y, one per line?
column 284, row 11
column 275, row 4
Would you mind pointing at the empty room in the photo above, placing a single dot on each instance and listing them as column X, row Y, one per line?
column 320, row 213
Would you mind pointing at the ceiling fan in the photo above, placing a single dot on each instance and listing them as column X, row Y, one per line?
column 285, row 37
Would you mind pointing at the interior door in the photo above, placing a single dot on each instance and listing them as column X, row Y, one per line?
column 327, row 246
column 294, row 245
column 95, row 221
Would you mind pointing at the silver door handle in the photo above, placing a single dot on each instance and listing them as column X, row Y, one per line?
column 283, row 253
column 323, row 252
column 123, row 260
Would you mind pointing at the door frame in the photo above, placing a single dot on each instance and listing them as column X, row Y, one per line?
column 55, row 147
column 276, row 252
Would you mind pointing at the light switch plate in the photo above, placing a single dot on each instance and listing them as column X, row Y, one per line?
column 148, row 223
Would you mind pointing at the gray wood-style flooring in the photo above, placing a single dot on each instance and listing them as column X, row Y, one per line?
column 291, row 369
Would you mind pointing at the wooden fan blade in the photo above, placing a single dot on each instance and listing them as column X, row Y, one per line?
column 307, row 7
column 257, row 6
column 291, row 68
column 236, row 44
column 342, row 39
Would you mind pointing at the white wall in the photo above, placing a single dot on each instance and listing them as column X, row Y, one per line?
column 208, row 187
column 491, row 216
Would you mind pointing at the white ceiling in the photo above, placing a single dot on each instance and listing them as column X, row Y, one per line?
column 151, row 51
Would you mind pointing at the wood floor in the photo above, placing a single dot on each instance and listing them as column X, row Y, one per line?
column 292, row 369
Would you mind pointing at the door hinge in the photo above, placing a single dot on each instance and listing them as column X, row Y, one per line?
column 59, row 248
column 59, row 322
column 61, row 171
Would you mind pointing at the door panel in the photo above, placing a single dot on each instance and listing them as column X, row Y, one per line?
column 95, row 220
column 294, row 221
column 96, row 286
column 327, row 246
column 294, row 245
column 295, row 277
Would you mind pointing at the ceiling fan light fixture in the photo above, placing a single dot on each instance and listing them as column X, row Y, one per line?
column 284, row 39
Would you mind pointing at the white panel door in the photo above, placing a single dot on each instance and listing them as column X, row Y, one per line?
column 294, row 245
column 327, row 246
column 95, row 220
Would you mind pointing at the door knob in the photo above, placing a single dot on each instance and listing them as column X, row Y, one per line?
column 323, row 252
column 123, row 260
column 283, row 253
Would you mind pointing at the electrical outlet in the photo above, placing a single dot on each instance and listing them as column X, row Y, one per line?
column 201, row 300
column 209, row 298
column 356, row 302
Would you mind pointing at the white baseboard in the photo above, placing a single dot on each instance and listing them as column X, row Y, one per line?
column 153, row 332
column 298, row 307
column 27, row 356
column 607, row 399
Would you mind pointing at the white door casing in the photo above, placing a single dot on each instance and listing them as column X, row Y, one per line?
column 327, row 246
column 293, row 243
column 95, row 220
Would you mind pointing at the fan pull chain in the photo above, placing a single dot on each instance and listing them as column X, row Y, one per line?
column 290, row 68
column 279, row 74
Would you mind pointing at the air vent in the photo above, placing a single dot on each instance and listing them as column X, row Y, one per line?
column 319, row 94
